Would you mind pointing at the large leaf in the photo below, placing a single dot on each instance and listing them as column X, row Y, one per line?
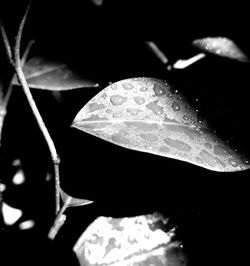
column 144, row 114
column 128, row 241
column 47, row 75
column 221, row 46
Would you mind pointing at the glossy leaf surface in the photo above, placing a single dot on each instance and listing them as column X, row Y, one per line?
column 144, row 114
column 221, row 46
column 125, row 241
column 46, row 75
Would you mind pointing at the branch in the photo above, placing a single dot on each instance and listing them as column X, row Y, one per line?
column 23, row 61
column 156, row 50
column 43, row 128
column 6, row 44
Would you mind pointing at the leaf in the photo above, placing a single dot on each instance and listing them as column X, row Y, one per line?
column 73, row 202
column 221, row 46
column 144, row 114
column 138, row 240
column 2, row 109
column 47, row 75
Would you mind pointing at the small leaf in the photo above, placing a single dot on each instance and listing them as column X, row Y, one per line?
column 46, row 75
column 221, row 46
column 73, row 202
column 138, row 240
column 144, row 114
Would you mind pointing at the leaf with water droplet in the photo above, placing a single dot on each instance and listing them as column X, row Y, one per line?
column 70, row 201
column 221, row 46
column 139, row 240
column 47, row 75
column 149, row 118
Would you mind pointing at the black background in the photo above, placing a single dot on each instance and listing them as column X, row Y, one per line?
column 106, row 44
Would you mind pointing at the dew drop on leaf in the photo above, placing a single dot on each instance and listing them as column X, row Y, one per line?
column 117, row 99
column 175, row 106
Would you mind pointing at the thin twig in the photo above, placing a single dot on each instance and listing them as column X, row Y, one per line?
column 23, row 61
column 157, row 51
column 6, row 43
column 43, row 128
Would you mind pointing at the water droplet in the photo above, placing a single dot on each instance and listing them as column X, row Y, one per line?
column 133, row 111
column 196, row 99
column 164, row 149
column 176, row 91
column 169, row 95
column 139, row 100
column 175, row 106
column 159, row 91
column 234, row 162
column 185, row 117
column 95, row 106
column 117, row 99
column 116, row 115
column 114, row 86
column 148, row 137
column 127, row 86
column 143, row 88
column 156, row 109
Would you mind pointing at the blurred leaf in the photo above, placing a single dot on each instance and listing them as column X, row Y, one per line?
column 73, row 202
column 221, row 46
column 97, row 2
column 129, row 241
column 2, row 109
column 145, row 114
column 46, row 75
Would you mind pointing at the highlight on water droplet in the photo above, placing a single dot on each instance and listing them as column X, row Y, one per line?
column 139, row 100
column 159, row 90
column 127, row 86
column 144, row 88
column 133, row 111
column 117, row 99
column 10, row 214
column 185, row 117
column 26, row 225
column 175, row 106
column 113, row 86
column 156, row 109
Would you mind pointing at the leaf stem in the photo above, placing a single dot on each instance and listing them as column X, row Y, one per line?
column 59, row 221
column 157, row 51
column 17, row 63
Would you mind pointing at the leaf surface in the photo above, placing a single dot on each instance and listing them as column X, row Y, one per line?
column 139, row 240
column 221, row 46
column 47, row 75
column 144, row 114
